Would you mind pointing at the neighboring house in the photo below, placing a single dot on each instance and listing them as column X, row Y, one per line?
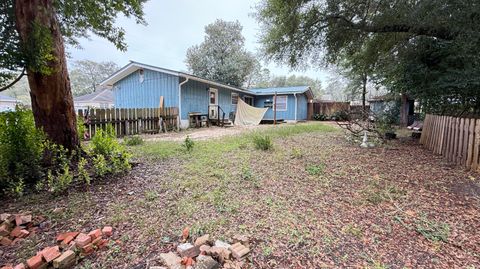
column 8, row 103
column 384, row 103
column 292, row 102
column 98, row 99
column 138, row 85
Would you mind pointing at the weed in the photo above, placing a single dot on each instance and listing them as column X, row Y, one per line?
column 82, row 171
column 314, row 170
column 296, row 153
column 352, row 230
column 376, row 193
column 188, row 144
column 247, row 173
column 151, row 195
column 433, row 230
column 262, row 142
column 133, row 140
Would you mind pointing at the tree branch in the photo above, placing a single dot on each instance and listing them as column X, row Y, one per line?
column 13, row 82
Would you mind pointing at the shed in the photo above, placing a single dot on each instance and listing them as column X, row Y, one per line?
column 291, row 102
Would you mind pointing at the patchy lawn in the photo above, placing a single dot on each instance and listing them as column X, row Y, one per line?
column 312, row 201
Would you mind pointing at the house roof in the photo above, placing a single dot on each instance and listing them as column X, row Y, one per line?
column 6, row 98
column 134, row 66
column 283, row 90
column 101, row 96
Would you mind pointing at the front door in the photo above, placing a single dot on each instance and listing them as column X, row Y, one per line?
column 213, row 103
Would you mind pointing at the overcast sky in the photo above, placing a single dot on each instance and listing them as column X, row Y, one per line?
column 173, row 27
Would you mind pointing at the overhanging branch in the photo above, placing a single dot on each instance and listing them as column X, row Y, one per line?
column 13, row 82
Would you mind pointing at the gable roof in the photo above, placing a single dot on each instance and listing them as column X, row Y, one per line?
column 101, row 96
column 6, row 98
column 284, row 90
column 134, row 66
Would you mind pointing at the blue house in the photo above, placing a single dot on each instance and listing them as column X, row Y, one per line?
column 139, row 85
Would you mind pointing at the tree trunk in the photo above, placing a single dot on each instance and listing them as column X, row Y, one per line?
column 404, row 110
column 52, row 101
column 364, row 95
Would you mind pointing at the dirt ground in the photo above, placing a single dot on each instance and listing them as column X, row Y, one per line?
column 313, row 201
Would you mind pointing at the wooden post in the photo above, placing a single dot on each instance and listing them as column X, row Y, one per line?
column 275, row 109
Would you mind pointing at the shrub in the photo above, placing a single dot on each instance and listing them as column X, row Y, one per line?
column 105, row 144
column 83, row 174
column 21, row 147
column 263, row 142
column 81, row 129
column 320, row 117
column 340, row 115
column 60, row 180
column 188, row 144
column 133, row 140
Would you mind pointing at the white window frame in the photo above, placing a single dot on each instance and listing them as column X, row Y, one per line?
column 232, row 95
column 286, row 102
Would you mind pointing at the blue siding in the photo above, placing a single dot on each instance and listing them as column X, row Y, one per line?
column 195, row 98
column 289, row 114
column 131, row 93
column 302, row 107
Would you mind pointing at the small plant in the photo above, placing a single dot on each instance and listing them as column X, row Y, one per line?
column 188, row 144
column 133, row 140
column 81, row 129
column 82, row 171
column 262, row 142
column 59, row 181
column 151, row 195
column 432, row 230
column 247, row 173
column 377, row 193
column 296, row 153
column 100, row 166
column 314, row 170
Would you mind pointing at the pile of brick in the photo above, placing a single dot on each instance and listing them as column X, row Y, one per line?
column 16, row 227
column 71, row 247
column 204, row 253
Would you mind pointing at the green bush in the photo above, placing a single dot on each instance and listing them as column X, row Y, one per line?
column 320, row 117
column 81, row 129
column 83, row 174
column 315, row 169
column 21, row 148
column 133, row 140
column 104, row 144
column 341, row 115
column 188, row 144
column 263, row 142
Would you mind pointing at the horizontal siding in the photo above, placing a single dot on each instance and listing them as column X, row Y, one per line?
column 289, row 114
column 131, row 93
column 195, row 98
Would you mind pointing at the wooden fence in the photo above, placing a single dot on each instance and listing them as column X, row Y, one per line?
column 457, row 139
column 130, row 121
column 330, row 108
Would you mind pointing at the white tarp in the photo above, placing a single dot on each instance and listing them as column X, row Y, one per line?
column 248, row 115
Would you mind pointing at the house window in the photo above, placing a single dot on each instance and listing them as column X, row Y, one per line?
column 281, row 103
column 234, row 98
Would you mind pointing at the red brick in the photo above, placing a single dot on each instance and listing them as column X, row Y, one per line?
column 5, row 241
column 19, row 266
column 51, row 253
column 4, row 229
column 88, row 249
column 35, row 262
column 23, row 233
column 7, row 267
column 95, row 234
column 97, row 241
column 107, row 231
column 4, row 217
column 82, row 240
column 103, row 244
column 66, row 260
column 16, row 232
column 62, row 236
column 68, row 239
column 16, row 240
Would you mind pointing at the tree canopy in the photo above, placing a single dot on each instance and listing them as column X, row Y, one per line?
column 427, row 49
column 85, row 75
column 222, row 55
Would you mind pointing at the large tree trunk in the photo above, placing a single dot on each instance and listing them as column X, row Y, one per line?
column 52, row 101
column 364, row 96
